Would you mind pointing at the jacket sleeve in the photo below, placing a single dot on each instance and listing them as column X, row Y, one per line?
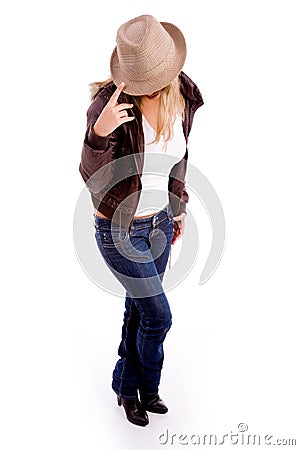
column 96, row 167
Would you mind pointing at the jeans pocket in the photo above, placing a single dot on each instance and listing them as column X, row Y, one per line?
column 111, row 238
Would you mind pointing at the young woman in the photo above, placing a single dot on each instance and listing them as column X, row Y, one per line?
column 134, row 164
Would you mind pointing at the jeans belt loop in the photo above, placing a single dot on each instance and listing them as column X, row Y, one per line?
column 154, row 220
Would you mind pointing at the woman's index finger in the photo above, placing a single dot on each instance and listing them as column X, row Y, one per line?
column 114, row 98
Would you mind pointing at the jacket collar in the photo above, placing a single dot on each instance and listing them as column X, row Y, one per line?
column 190, row 90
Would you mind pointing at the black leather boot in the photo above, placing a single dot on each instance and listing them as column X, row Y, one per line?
column 135, row 412
column 153, row 403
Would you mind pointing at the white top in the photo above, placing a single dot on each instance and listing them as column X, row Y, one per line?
column 158, row 162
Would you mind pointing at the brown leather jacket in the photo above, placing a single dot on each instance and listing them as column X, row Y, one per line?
column 114, row 181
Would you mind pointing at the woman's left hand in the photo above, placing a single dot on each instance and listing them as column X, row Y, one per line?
column 179, row 222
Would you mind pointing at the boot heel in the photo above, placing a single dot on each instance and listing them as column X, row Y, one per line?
column 134, row 410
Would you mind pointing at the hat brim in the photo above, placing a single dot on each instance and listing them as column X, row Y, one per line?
column 159, row 77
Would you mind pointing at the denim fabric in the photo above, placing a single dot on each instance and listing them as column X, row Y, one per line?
column 138, row 256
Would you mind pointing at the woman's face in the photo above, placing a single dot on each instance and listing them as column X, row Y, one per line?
column 154, row 95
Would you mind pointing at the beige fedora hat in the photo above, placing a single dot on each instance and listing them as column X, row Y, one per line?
column 148, row 55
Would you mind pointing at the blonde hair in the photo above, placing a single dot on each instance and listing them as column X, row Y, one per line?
column 171, row 104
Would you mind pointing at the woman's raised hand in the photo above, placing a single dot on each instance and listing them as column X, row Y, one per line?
column 113, row 115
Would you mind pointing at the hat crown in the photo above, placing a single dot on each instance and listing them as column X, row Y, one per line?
column 142, row 44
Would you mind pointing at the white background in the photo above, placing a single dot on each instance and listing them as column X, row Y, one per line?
column 232, row 354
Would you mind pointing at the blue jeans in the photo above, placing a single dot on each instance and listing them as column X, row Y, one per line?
column 138, row 256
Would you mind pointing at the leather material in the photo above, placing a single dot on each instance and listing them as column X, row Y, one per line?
column 153, row 403
column 128, row 139
column 135, row 412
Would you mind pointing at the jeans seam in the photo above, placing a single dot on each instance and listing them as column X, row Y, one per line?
column 124, row 343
